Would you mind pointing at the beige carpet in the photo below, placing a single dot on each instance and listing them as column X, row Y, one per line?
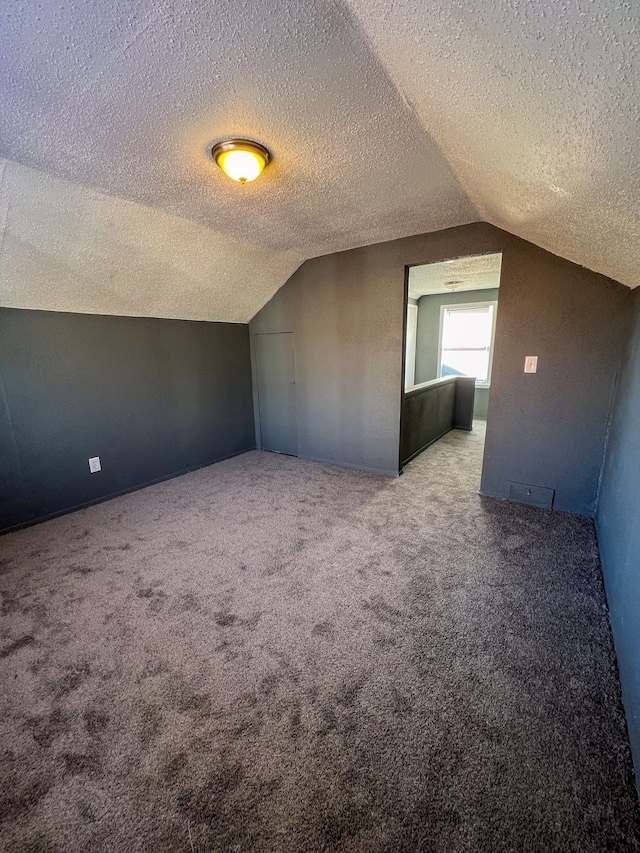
column 276, row 655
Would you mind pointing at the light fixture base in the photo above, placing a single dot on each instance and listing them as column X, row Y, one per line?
column 241, row 159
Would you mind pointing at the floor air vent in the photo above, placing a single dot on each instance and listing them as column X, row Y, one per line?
column 539, row 496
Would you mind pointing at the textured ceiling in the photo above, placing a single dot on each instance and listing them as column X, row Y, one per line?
column 385, row 119
column 66, row 248
column 475, row 272
column 536, row 107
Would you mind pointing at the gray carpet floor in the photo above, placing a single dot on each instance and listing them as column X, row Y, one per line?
column 277, row 655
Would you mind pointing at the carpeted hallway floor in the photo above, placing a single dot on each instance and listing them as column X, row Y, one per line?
column 276, row 655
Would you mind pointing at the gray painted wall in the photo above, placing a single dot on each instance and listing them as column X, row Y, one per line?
column 152, row 398
column 346, row 312
column 346, row 316
column 548, row 429
column 429, row 335
column 619, row 532
column 432, row 409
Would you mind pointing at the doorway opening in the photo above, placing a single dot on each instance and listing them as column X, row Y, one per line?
column 276, row 386
column 451, row 312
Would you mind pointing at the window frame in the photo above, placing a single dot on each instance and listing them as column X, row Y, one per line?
column 462, row 306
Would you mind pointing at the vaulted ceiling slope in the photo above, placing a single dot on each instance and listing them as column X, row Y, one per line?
column 68, row 248
column 536, row 108
column 386, row 118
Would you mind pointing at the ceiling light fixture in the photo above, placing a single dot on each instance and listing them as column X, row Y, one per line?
column 241, row 159
column 453, row 285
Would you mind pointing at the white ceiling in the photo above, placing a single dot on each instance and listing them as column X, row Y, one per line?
column 536, row 108
column 475, row 272
column 384, row 118
column 66, row 248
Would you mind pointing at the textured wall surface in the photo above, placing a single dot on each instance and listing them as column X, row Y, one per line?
column 619, row 532
column 345, row 312
column 151, row 398
column 384, row 119
column 547, row 429
column 429, row 334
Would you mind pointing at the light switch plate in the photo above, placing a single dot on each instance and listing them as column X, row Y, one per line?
column 94, row 464
column 531, row 364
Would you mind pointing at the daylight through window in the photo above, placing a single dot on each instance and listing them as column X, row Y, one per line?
column 466, row 340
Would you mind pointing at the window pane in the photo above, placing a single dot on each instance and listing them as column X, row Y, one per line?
column 466, row 363
column 467, row 327
column 466, row 341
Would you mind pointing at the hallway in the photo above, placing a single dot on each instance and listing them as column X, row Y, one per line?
column 271, row 655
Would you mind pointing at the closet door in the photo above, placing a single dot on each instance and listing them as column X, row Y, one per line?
column 277, row 392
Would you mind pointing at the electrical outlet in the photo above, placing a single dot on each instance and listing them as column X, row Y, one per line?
column 531, row 364
column 94, row 464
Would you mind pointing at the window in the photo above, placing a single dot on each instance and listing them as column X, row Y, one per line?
column 466, row 340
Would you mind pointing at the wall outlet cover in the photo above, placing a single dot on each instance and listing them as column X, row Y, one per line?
column 94, row 464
